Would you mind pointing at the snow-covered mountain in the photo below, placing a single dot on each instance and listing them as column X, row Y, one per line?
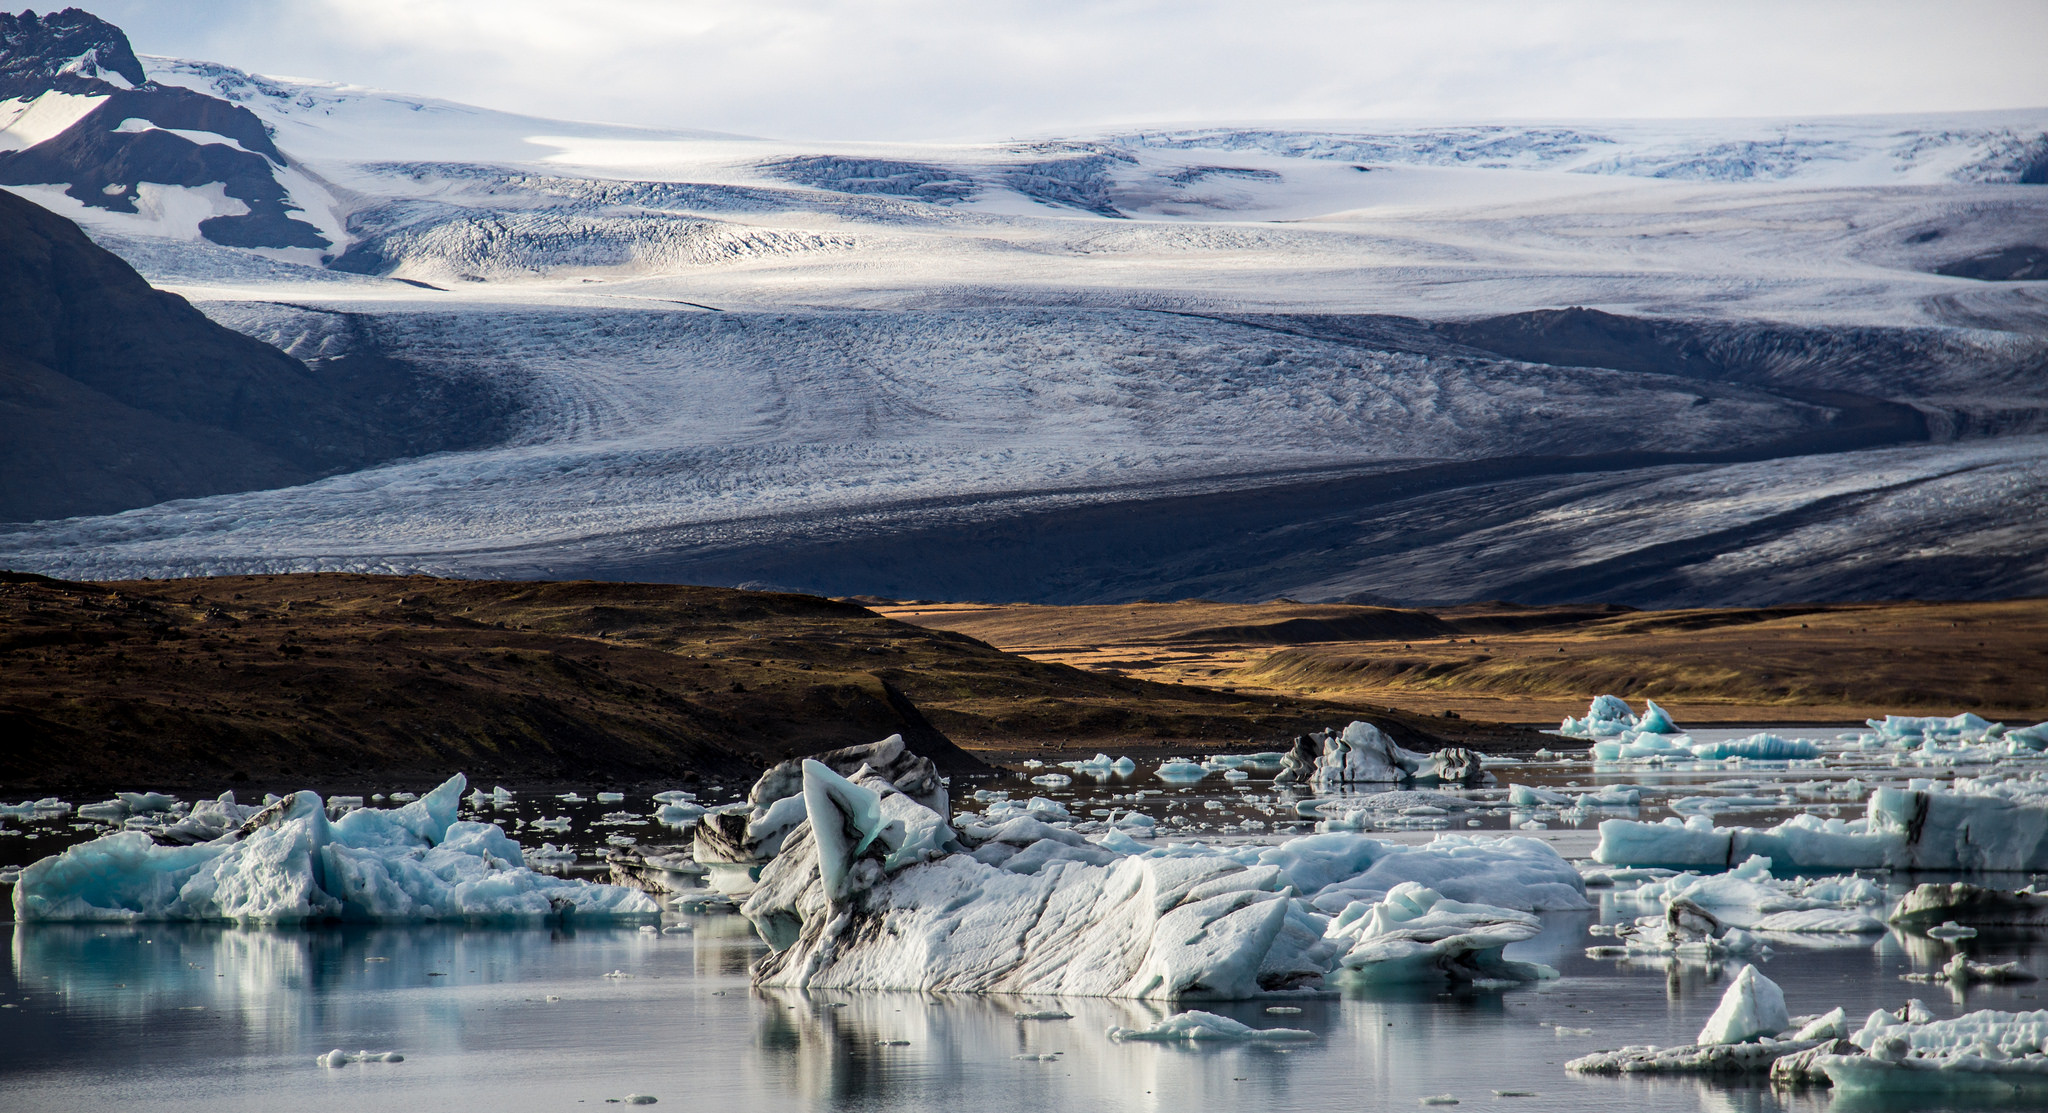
column 1204, row 359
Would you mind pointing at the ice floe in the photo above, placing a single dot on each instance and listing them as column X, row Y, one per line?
column 1197, row 1026
column 288, row 862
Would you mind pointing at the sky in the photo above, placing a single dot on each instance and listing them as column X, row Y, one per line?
column 985, row 69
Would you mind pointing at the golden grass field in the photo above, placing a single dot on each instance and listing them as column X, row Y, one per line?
column 1810, row 664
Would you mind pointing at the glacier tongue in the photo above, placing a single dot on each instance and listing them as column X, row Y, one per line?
column 287, row 863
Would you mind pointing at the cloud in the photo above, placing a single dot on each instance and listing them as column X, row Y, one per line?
column 938, row 69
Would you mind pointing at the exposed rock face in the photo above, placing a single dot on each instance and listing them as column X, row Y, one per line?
column 70, row 51
column 141, row 133
column 117, row 395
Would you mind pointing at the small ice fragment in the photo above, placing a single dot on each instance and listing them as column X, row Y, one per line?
column 892, row 1043
column 1515, row 1093
column 1949, row 929
column 1564, row 1031
column 1052, row 1057
column 1438, row 1099
column 340, row 1058
column 1197, row 1025
column 1282, row 1009
column 640, row 1099
column 1046, row 1014
column 617, row 974
column 649, row 928
column 552, row 997
column 612, row 798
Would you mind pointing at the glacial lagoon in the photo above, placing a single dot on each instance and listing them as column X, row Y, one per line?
column 216, row 1017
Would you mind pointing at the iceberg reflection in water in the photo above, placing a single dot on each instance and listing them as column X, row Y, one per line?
column 219, row 1018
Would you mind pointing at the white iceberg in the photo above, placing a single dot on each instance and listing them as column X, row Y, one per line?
column 1971, row 825
column 1197, row 1026
column 290, row 863
column 1753, row 1007
column 1363, row 754
column 1987, row 1052
column 1750, row 898
column 1414, row 934
column 888, row 898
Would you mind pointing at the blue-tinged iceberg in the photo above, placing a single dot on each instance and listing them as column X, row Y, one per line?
column 1972, row 824
column 288, row 863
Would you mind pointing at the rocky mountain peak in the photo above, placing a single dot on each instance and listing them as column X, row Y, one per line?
column 71, row 51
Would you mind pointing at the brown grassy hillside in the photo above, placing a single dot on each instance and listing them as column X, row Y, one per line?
column 294, row 680
column 1837, row 662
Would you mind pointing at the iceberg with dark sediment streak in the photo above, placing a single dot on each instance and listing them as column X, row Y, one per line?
column 287, row 862
column 874, row 890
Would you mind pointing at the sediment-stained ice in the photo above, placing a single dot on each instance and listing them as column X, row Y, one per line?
column 290, row 863
column 1974, row 905
column 891, row 897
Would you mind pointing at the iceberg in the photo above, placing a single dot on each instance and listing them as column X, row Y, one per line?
column 1973, row 824
column 1753, row 1007
column 1759, row 747
column 1363, row 754
column 1748, row 897
column 289, row 863
column 1909, row 730
column 1986, row 1052
column 734, row 843
column 1973, row 905
column 1180, row 770
column 1414, row 934
column 873, row 890
column 1606, row 717
column 1196, row 1026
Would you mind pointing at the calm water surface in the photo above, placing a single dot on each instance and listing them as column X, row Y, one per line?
column 174, row 1017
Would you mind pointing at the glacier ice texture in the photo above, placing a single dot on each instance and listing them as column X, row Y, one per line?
column 874, row 890
column 288, row 863
column 1973, row 824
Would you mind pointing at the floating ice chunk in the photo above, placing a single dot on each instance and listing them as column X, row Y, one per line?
column 1415, row 934
column 1973, row 825
column 1919, row 730
column 1606, row 717
column 681, row 814
column 1197, row 1026
column 1052, row 780
column 1180, row 770
column 340, row 1058
column 1759, row 747
column 125, row 804
column 1524, row 796
column 1712, row 1059
column 1951, row 930
column 1752, row 1008
column 1960, row 972
column 1334, row 869
column 2033, row 738
column 1749, row 897
column 35, row 809
column 610, row 797
column 1974, row 905
column 1986, row 1052
column 1832, row 1025
column 1655, row 720
column 571, row 798
column 289, row 863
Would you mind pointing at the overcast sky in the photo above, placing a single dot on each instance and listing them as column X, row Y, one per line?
column 946, row 69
